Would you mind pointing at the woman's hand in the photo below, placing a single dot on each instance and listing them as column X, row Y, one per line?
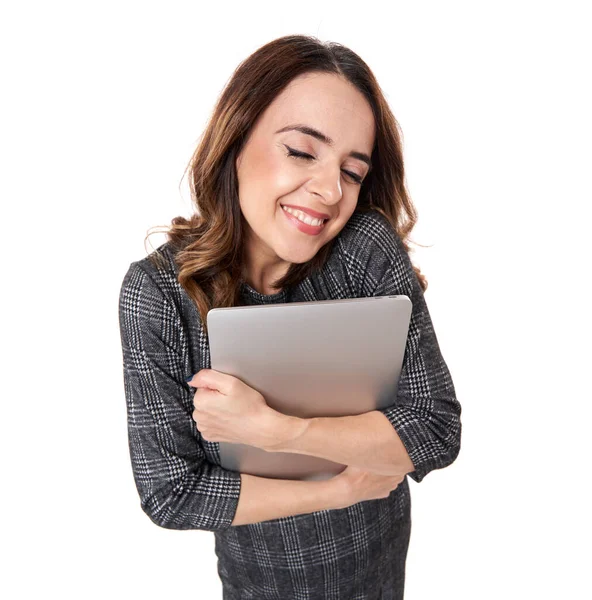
column 228, row 410
column 360, row 485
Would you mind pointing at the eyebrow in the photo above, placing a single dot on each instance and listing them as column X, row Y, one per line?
column 315, row 133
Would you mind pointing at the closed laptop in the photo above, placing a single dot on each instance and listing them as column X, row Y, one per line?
column 327, row 358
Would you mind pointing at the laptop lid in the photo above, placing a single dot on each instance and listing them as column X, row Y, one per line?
column 324, row 358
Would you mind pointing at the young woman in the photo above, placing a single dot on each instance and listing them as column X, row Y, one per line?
column 299, row 194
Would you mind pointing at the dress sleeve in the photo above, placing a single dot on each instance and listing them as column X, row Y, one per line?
column 178, row 487
column 426, row 412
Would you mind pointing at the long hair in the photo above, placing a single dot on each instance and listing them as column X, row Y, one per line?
column 208, row 247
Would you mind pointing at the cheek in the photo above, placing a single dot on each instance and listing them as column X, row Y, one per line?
column 347, row 206
column 281, row 180
column 271, row 174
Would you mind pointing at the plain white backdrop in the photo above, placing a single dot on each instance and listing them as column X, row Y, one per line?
column 102, row 105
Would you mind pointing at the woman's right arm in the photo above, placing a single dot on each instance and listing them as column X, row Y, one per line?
column 262, row 499
column 178, row 487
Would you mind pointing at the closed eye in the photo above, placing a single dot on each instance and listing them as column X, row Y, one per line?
column 303, row 155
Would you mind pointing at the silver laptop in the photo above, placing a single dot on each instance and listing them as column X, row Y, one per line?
column 328, row 358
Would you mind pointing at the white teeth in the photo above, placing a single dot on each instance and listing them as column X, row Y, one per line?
column 303, row 217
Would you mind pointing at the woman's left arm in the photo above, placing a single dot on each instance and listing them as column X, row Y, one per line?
column 426, row 413
column 425, row 421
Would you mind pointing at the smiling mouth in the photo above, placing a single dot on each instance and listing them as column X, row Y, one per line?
column 303, row 217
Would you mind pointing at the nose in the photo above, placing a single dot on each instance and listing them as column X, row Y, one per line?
column 326, row 183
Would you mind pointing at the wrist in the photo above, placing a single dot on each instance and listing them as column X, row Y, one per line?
column 341, row 491
column 284, row 430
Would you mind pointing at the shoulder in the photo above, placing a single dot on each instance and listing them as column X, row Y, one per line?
column 369, row 247
column 372, row 232
column 150, row 313
column 154, row 277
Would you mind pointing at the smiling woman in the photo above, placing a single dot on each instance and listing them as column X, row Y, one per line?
column 299, row 194
column 313, row 170
column 298, row 124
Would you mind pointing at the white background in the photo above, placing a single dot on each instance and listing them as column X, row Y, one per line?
column 102, row 105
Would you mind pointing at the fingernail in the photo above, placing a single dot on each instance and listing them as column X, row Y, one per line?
column 189, row 378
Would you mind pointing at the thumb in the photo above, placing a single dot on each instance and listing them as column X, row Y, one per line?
column 211, row 379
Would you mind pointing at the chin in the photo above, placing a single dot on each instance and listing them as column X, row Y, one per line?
column 298, row 258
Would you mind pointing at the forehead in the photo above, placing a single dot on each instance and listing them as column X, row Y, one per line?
column 326, row 102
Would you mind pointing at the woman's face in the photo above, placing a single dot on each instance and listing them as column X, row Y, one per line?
column 327, row 183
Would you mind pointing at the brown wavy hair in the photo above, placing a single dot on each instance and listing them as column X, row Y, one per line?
column 208, row 247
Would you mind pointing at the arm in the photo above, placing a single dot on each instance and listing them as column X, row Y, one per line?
column 367, row 441
column 424, row 419
column 178, row 487
column 262, row 498
column 426, row 413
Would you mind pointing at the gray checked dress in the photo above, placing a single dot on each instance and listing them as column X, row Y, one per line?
column 356, row 553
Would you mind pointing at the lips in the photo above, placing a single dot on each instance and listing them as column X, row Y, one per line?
column 312, row 230
column 309, row 211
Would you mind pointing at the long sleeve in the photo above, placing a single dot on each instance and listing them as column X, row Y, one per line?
column 426, row 413
column 178, row 487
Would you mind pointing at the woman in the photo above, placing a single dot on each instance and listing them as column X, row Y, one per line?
column 298, row 185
